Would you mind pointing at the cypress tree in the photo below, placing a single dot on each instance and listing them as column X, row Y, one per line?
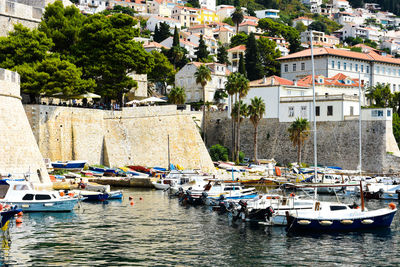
column 176, row 37
column 156, row 36
column 222, row 55
column 163, row 31
column 242, row 68
column 252, row 60
column 201, row 50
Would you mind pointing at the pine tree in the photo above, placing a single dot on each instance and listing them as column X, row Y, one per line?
column 201, row 50
column 253, row 63
column 242, row 68
column 176, row 37
column 222, row 55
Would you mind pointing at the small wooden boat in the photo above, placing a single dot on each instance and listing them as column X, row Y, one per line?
column 73, row 165
column 115, row 195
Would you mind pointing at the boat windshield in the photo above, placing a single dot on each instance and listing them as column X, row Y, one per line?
column 20, row 187
column 3, row 190
column 338, row 207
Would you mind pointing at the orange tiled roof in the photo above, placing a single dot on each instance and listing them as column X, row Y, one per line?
column 199, row 27
column 303, row 18
column 237, row 48
column 154, row 44
column 269, row 81
column 249, row 22
column 371, row 56
column 337, row 80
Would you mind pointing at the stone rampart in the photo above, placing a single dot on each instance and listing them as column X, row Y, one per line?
column 19, row 153
column 337, row 144
column 137, row 135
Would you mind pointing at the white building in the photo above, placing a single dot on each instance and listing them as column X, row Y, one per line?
column 225, row 11
column 275, row 92
column 156, row 20
column 249, row 27
column 153, row 46
column 223, row 35
column 162, row 8
column 313, row 5
column 354, row 30
column 189, row 46
column 306, row 21
column 234, row 56
column 209, row 4
column 267, row 13
column 374, row 68
column 392, row 45
column 319, row 38
column 185, row 78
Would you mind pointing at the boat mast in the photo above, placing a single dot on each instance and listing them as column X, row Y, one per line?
column 359, row 122
column 314, row 117
column 169, row 157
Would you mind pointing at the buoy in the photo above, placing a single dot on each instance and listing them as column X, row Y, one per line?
column 346, row 221
column 130, row 197
column 1, row 207
column 62, row 193
column 367, row 221
column 132, row 203
column 392, row 205
column 292, row 195
column 141, row 198
column 20, row 214
column 304, row 222
column 325, row 223
column 18, row 220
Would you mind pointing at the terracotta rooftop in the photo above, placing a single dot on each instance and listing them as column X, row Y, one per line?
column 249, row 22
column 237, row 48
column 154, row 44
column 270, row 81
column 338, row 80
column 303, row 18
column 371, row 56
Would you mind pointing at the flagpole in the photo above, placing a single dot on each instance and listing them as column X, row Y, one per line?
column 314, row 116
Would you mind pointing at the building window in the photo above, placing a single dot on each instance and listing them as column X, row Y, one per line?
column 383, row 70
column 338, row 65
column 291, row 111
column 294, row 67
column 333, row 64
column 344, row 66
column 303, row 66
column 377, row 69
column 362, row 68
column 399, row 72
column 356, row 67
column 351, row 111
column 286, row 67
column 394, row 88
column 389, row 113
column 367, row 69
column 330, row 111
column 317, row 109
column 377, row 113
column 303, row 111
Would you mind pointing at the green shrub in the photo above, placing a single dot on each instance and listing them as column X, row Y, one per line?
column 218, row 152
column 241, row 156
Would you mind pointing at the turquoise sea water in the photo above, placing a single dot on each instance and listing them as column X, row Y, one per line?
column 157, row 231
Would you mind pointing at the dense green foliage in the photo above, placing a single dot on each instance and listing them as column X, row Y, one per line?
column 253, row 64
column 177, row 96
column 201, row 50
column 222, row 55
column 163, row 72
column 268, row 55
column 359, row 40
column 242, row 66
column 161, row 33
column 218, row 152
column 276, row 29
column 256, row 112
column 299, row 131
column 239, row 39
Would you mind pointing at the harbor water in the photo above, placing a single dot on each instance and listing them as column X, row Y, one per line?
column 157, row 231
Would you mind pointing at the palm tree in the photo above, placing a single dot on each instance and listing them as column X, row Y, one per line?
column 231, row 89
column 203, row 75
column 243, row 86
column 237, row 18
column 299, row 131
column 256, row 112
column 177, row 96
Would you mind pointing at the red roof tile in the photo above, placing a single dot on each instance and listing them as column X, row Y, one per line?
column 237, row 48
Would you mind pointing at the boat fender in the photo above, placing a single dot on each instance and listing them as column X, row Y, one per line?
column 132, row 203
column 62, row 193
column 392, row 206
column 20, row 214
column 304, row 222
column 367, row 221
column 1, row 207
column 18, row 220
column 346, row 221
column 130, row 197
column 292, row 194
column 325, row 223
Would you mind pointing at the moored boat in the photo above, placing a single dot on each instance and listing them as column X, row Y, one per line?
column 72, row 165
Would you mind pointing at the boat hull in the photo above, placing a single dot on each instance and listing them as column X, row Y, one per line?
column 71, row 166
column 95, row 197
column 50, row 206
column 115, row 195
column 380, row 221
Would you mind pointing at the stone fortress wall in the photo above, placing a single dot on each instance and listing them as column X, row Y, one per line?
column 337, row 144
column 19, row 152
column 134, row 136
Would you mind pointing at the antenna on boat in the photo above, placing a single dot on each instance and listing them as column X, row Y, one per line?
column 314, row 117
column 359, row 122
column 169, row 157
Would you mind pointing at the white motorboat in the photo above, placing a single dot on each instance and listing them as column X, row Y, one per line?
column 21, row 194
